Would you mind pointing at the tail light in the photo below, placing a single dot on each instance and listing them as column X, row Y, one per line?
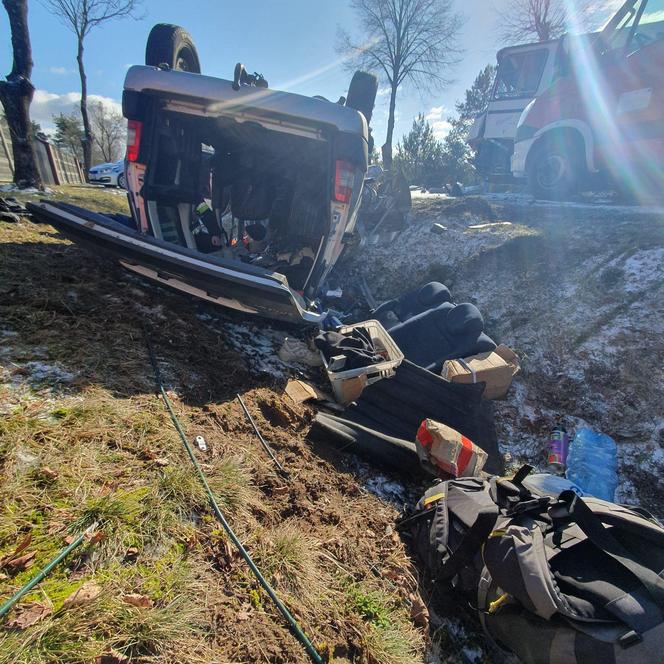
column 134, row 130
column 343, row 181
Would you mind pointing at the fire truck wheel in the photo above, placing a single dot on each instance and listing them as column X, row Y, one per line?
column 555, row 170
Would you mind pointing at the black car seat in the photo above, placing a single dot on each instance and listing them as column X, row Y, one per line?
column 411, row 304
column 444, row 333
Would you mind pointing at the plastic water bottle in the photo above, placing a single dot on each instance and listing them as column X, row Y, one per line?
column 592, row 463
column 546, row 484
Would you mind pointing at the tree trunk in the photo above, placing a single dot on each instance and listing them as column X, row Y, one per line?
column 87, row 129
column 16, row 94
column 387, row 148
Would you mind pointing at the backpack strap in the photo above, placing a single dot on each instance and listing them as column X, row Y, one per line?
column 592, row 527
column 471, row 543
column 521, row 474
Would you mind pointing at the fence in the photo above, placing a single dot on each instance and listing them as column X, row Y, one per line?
column 55, row 165
column 6, row 161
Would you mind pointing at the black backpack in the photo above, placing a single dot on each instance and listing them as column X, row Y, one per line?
column 555, row 580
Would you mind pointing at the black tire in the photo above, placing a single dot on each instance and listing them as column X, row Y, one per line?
column 173, row 46
column 122, row 182
column 362, row 93
column 556, row 169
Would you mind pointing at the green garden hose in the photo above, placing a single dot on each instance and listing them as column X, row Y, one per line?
column 301, row 636
column 44, row 572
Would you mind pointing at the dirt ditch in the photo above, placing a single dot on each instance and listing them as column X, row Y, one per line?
column 575, row 290
column 83, row 437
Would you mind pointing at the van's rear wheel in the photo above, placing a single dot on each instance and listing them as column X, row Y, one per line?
column 362, row 93
column 173, row 46
column 555, row 170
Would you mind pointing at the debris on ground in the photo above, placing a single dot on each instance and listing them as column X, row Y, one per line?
column 321, row 540
column 574, row 290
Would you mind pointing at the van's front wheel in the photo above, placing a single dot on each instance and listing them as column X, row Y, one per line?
column 555, row 170
column 173, row 46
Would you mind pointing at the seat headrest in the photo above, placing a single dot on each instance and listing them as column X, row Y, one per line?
column 464, row 318
column 433, row 293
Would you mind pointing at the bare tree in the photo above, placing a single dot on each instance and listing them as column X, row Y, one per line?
column 81, row 17
column 16, row 95
column 108, row 129
column 404, row 40
column 523, row 21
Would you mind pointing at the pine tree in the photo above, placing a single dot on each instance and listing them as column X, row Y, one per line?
column 69, row 133
column 457, row 153
column 420, row 154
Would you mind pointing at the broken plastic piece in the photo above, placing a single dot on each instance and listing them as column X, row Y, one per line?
column 300, row 391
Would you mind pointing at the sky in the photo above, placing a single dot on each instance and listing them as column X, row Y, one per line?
column 291, row 42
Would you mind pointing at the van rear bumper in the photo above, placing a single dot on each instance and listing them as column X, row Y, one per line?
column 227, row 283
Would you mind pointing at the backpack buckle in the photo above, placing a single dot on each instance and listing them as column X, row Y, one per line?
column 629, row 639
column 535, row 504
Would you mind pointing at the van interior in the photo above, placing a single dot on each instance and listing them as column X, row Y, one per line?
column 238, row 191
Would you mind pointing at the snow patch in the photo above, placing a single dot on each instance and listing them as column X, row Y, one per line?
column 258, row 346
column 644, row 269
column 9, row 188
column 152, row 312
column 389, row 490
column 40, row 372
column 528, row 199
column 428, row 194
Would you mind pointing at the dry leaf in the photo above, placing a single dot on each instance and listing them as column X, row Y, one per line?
column 97, row 537
column 131, row 553
column 21, row 563
column 140, row 601
column 22, row 545
column 48, row 473
column 88, row 592
column 245, row 612
column 419, row 613
column 69, row 539
column 28, row 615
column 55, row 527
column 161, row 461
column 112, row 657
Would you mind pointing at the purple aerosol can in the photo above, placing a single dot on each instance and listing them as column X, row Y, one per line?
column 558, row 447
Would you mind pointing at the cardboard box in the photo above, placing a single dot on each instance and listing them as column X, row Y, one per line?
column 441, row 448
column 496, row 369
